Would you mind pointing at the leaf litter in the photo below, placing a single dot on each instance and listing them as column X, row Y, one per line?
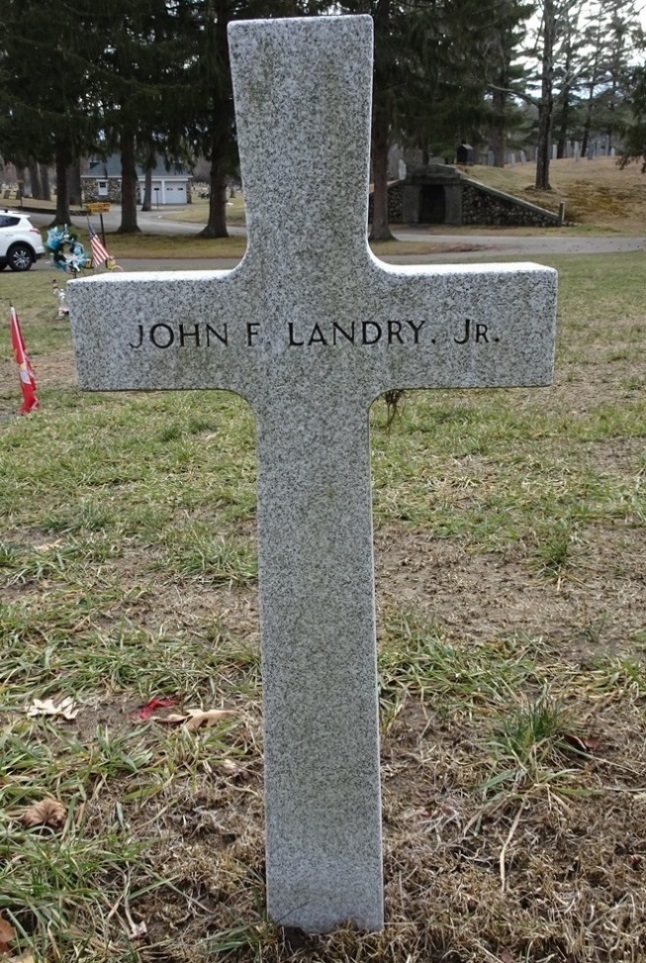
column 47, row 707
column 7, row 934
column 47, row 812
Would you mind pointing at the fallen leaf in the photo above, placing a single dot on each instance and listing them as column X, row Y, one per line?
column 233, row 768
column 507, row 957
column 24, row 958
column 582, row 743
column 194, row 718
column 47, row 707
column 146, row 711
column 208, row 717
column 45, row 547
column 47, row 812
column 137, row 930
column 174, row 717
column 7, row 933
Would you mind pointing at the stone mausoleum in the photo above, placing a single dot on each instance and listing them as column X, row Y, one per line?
column 442, row 194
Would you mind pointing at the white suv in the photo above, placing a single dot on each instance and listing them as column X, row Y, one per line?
column 20, row 242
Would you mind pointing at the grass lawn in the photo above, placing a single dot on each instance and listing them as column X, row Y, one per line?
column 509, row 542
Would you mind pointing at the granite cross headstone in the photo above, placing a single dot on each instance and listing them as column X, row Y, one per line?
column 310, row 328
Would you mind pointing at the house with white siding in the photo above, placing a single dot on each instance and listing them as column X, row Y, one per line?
column 102, row 182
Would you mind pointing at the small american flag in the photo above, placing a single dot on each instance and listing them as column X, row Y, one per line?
column 99, row 253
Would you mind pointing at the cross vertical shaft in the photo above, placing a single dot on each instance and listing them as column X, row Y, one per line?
column 324, row 861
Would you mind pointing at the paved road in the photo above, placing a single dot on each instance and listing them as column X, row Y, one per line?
column 451, row 247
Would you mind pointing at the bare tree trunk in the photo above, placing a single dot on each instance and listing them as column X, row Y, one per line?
column 380, row 137
column 74, row 183
column 20, row 177
column 34, row 179
column 148, row 190
column 586, row 128
column 543, row 150
column 498, row 129
column 216, row 225
column 62, row 196
column 44, row 180
column 380, row 228
column 563, row 127
column 546, row 106
column 128, row 184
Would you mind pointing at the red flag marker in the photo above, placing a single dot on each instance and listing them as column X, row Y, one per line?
column 27, row 379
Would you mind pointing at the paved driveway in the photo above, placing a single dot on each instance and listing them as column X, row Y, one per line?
column 479, row 242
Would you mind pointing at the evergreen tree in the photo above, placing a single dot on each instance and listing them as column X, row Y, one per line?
column 430, row 76
column 211, row 121
column 138, row 87
column 634, row 148
column 506, row 72
column 45, row 114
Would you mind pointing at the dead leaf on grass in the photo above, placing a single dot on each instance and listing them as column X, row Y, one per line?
column 47, row 707
column 145, row 712
column 207, row 717
column 582, row 743
column 137, row 930
column 231, row 767
column 194, row 718
column 45, row 547
column 174, row 717
column 7, row 933
column 47, row 812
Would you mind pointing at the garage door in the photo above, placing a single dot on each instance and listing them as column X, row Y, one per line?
column 176, row 193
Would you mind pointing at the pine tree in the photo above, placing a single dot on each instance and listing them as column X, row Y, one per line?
column 45, row 113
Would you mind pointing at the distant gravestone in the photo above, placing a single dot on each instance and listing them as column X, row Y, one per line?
column 310, row 329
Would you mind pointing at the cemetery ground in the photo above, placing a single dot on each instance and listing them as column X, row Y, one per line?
column 511, row 590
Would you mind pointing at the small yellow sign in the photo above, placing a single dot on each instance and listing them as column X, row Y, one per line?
column 100, row 208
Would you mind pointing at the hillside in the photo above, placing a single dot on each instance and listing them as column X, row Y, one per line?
column 595, row 192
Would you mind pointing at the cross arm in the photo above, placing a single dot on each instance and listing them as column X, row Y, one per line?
column 462, row 326
column 159, row 330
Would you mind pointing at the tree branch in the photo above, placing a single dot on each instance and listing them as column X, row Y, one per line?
column 516, row 93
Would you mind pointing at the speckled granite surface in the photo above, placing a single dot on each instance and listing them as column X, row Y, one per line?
column 310, row 328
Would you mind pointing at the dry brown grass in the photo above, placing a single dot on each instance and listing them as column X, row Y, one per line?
column 597, row 193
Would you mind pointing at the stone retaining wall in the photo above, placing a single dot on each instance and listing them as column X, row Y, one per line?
column 91, row 190
column 467, row 202
column 484, row 205
column 395, row 203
